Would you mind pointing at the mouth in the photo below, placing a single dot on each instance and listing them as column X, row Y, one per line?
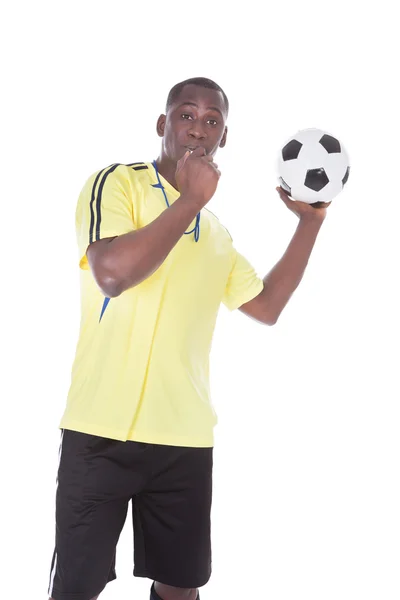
column 191, row 148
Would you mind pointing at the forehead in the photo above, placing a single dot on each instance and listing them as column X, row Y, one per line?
column 201, row 96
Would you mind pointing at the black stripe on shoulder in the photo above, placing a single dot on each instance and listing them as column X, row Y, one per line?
column 99, row 194
column 91, row 227
column 141, row 168
column 133, row 164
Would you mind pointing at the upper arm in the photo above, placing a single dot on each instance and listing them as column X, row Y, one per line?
column 104, row 211
column 243, row 283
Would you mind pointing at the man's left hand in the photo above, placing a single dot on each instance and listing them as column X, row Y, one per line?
column 303, row 210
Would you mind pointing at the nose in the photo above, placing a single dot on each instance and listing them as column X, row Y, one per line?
column 196, row 131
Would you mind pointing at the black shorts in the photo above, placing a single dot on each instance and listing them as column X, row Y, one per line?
column 170, row 488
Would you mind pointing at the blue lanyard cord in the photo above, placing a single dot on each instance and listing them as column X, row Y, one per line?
column 160, row 186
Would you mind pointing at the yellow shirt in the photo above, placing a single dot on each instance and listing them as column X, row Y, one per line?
column 141, row 370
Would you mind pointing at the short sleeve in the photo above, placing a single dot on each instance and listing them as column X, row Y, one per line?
column 243, row 283
column 104, row 209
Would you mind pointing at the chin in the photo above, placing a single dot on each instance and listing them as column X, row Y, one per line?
column 175, row 155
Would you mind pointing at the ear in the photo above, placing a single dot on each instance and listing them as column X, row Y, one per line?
column 161, row 125
column 223, row 140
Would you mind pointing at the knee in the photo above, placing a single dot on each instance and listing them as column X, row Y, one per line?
column 167, row 592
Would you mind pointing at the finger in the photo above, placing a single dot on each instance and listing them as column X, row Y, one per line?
column 216, row 169
column 185, row 156
column 280, row 190
column 291, row 204
column 284, row 195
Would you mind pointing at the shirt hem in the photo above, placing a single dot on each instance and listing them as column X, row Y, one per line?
column 146, row 438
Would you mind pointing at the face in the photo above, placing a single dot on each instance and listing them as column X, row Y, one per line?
column 196, row 118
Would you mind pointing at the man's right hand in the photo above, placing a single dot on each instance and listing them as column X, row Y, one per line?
column 197, row 177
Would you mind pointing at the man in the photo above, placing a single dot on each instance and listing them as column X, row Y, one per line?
column 155, row 267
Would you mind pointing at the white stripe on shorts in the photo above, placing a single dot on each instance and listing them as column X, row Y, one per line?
column 53, row 572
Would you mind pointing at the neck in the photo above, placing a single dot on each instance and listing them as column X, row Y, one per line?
column 167, row 168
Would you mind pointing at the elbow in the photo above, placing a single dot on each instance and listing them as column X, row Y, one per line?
column 270, row 320
column 113, row 286
column 110, row 286
column 105, row 270
column 110, row 289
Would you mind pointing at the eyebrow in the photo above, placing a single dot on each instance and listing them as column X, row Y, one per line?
column 197, row 106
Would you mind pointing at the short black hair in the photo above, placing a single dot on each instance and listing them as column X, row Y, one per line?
column 201, row 82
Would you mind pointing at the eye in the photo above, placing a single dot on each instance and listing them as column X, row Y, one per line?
column 212, row 122
column 186, row 116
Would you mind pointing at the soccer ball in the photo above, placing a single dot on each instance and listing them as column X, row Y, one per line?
column 313, row 166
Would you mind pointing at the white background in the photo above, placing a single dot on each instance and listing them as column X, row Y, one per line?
column 306, row 500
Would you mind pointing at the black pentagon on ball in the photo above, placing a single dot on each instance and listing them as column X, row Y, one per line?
column 316, row 179
column 345, row 178
column 285, row 186
column 331, row 144
column 291, row 150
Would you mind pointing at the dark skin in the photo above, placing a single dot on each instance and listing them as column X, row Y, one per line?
column 197, row 122
column 284, row 278
column 197, row 119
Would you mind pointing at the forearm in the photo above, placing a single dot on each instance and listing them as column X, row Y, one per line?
column 131, row 258
column 284, row 278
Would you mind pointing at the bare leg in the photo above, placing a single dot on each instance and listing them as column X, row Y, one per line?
column 167, row 592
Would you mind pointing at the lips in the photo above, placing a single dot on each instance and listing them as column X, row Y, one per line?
column 192, row 148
